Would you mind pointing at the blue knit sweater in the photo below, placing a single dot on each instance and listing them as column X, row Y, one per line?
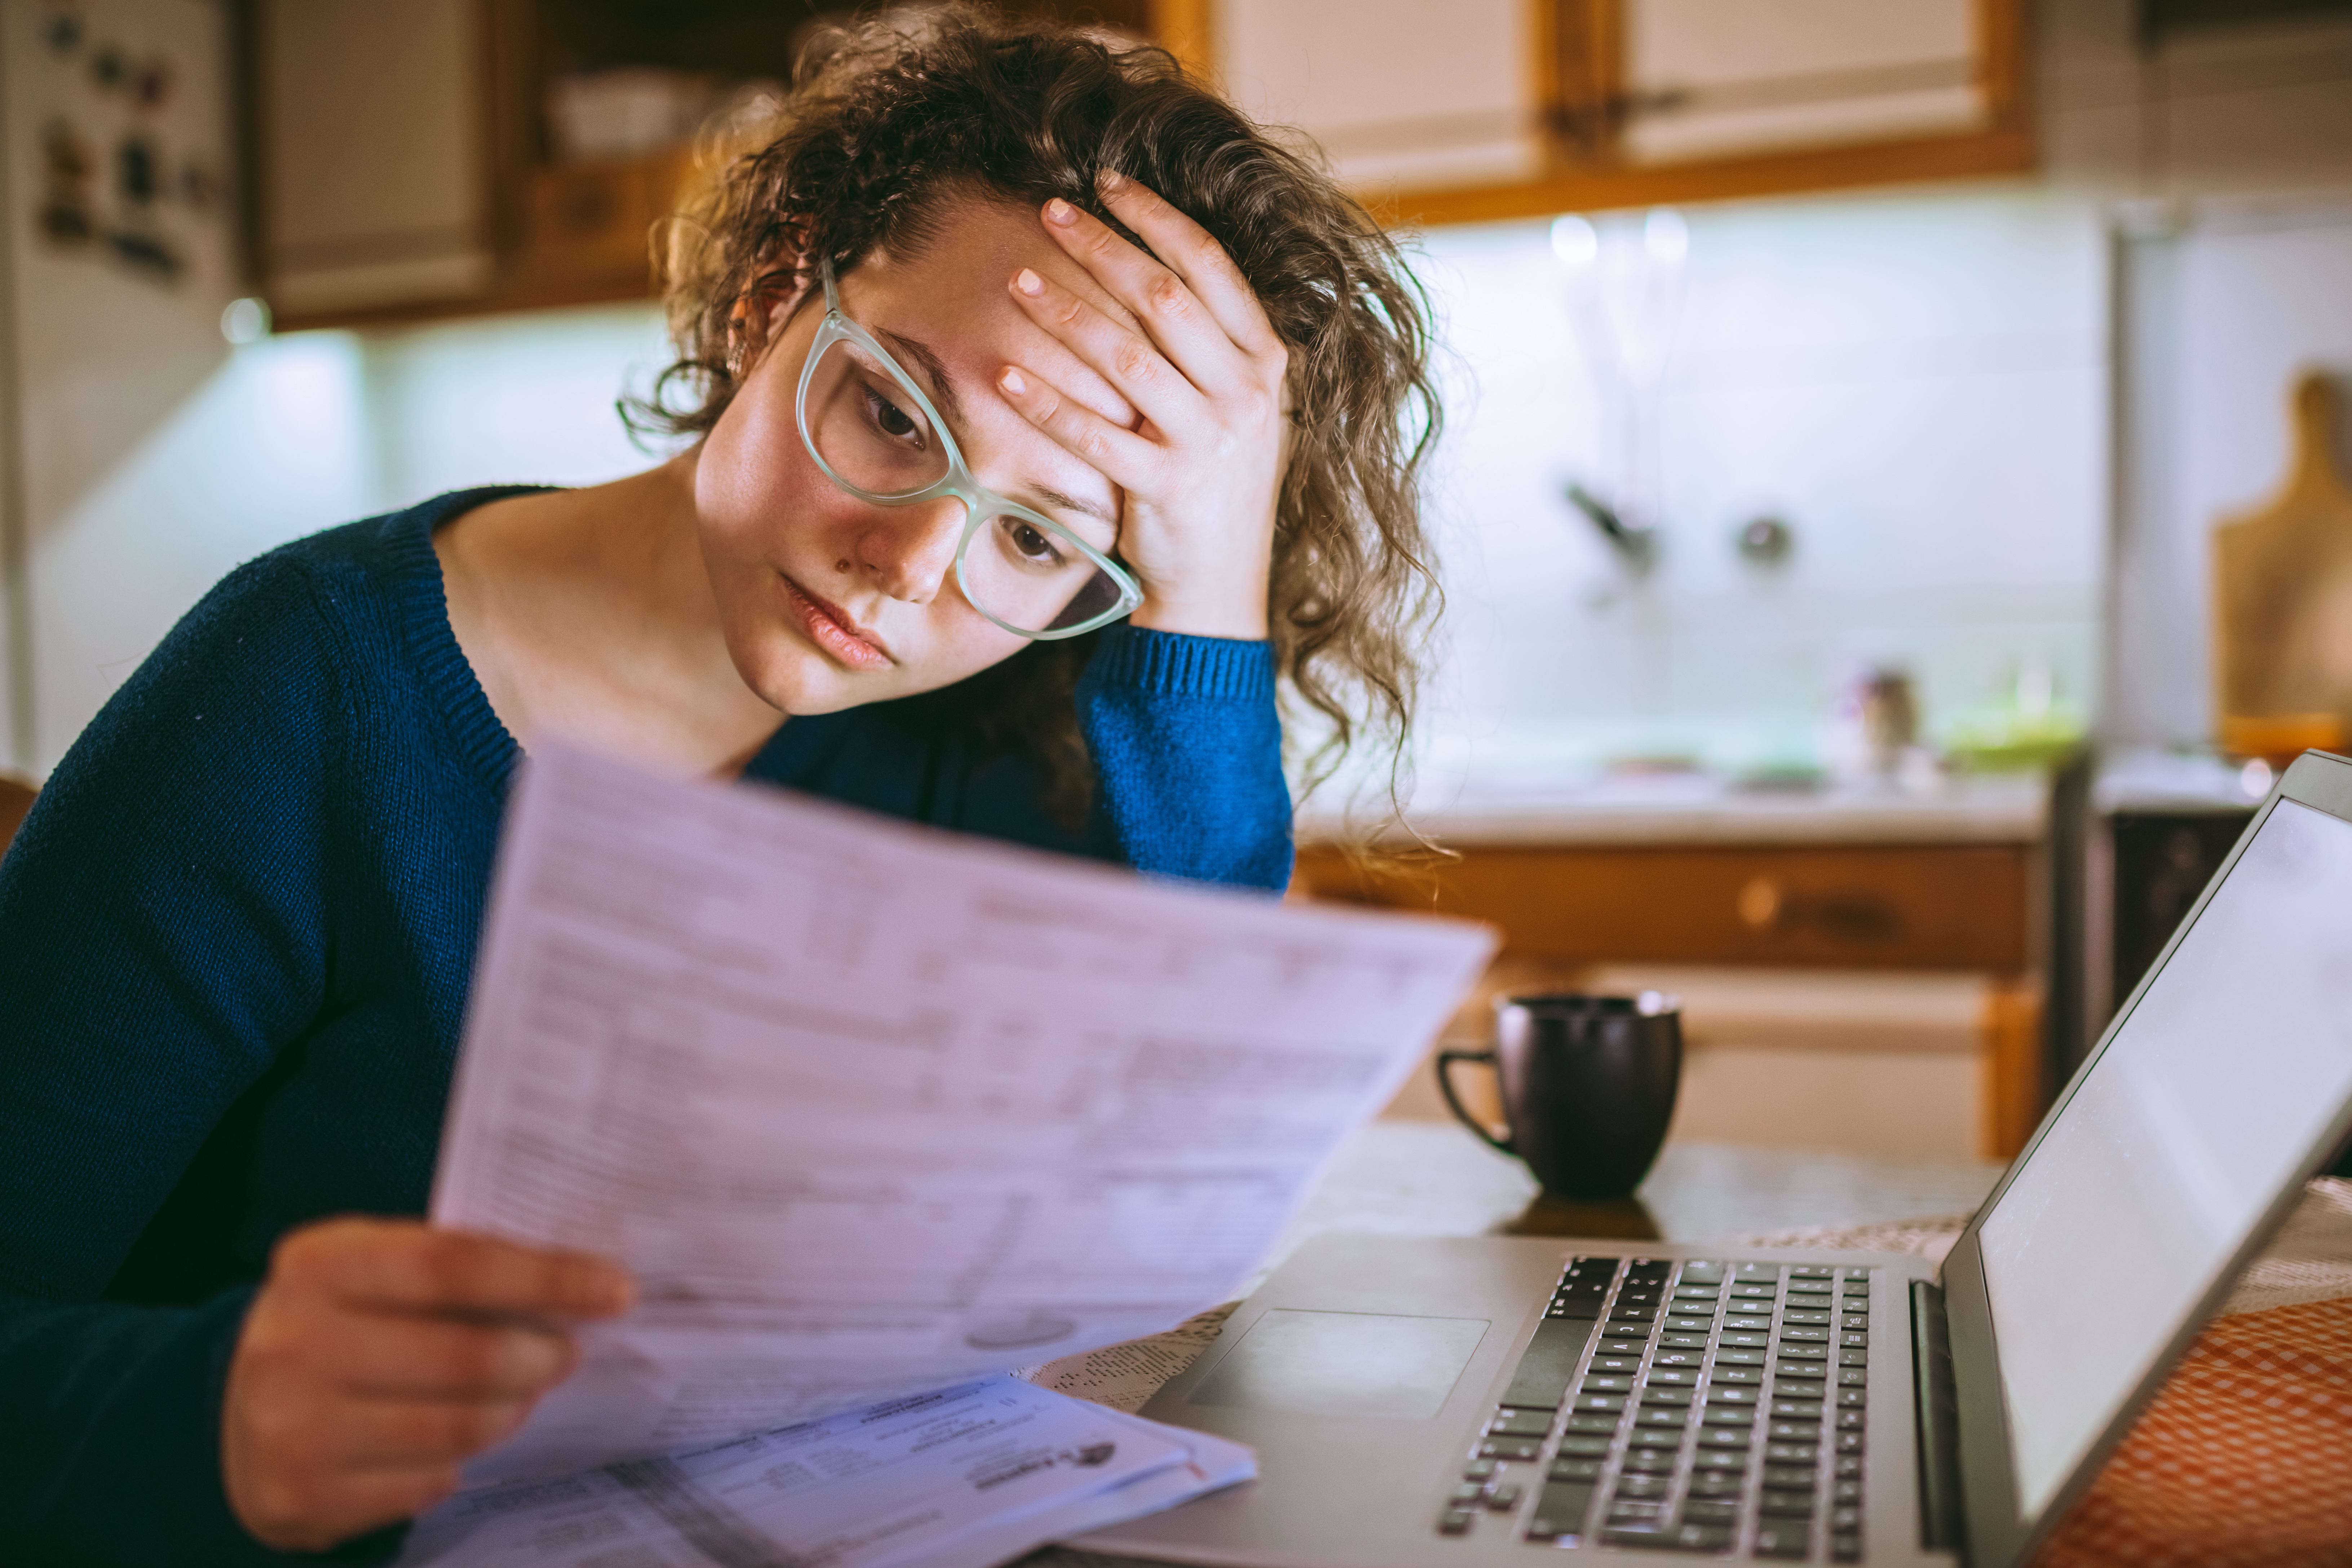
column 235, row 936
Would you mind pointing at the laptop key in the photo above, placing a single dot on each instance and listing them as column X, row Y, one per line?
column 1731, row 1396
column 1789, row 1453
column 1854, row 1358
column 1453, row 1521
column 1850, row 1420
column 1796, row 1410
column 1608, row 1386
column 1581, row 1448
column 1671, row 1398
column 1652, row 1464
column 1788, row 1505
column 1520, row 1423
column 1520, row 1449
column 1547, row 1366
column 1678, row 1341
column 1504, row 1498
column 1649, row 1438
column 1846, row 1492
column 1789, row 1477
column 1710, row 1510
column 1850, row 1398
column 1791, row 1540
column 1478, row 1470
column 1806, row 1432
column 1741, row 1357
column 1576, row 1469
column 1669, row 1537
column 1674, row 1377
column 1742, row 1417
column 1852, row 1377
column 1720, row 1461
column 1745, row 1341
column 1644, row 1486
column 1663, row 1416
column 1598, row 1404
column 1739, row 1374
column 1634, row 1510
column 1559, row 1511
column 1845, row 1548
column 1849, row 1468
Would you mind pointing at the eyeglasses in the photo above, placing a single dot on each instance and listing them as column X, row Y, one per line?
column 877, row 436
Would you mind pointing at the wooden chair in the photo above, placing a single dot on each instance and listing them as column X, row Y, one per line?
column 15, row 800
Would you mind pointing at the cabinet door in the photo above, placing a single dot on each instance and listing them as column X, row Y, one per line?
column 374, row 151
column 1711, row 77
column 1398, row 92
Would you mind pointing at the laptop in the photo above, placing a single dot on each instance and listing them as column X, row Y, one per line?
column 1472, row 1403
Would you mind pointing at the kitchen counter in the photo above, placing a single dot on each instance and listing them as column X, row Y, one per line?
column 1698, row 808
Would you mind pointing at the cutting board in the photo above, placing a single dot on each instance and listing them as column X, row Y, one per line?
column 2282, row 600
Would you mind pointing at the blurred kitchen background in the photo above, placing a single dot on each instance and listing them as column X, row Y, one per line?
column 1841, row 398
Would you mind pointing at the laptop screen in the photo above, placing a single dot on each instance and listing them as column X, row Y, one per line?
column 2171, row 1150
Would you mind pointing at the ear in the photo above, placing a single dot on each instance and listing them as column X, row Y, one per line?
column 758, row 316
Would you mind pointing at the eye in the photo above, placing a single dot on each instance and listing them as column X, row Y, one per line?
column 1031, row 543
column 890, row 419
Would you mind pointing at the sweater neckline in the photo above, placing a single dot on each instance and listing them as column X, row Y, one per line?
column 483, row 739
column 489, row 747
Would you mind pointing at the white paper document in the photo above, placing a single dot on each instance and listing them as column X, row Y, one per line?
column 873, row 1109
column 963, row 1478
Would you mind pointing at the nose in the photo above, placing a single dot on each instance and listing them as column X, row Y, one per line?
column 907, row 551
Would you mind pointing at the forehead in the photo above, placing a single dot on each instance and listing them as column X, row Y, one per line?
column 953, row 293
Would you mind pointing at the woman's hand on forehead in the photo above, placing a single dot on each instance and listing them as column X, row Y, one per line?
column 1203, row 367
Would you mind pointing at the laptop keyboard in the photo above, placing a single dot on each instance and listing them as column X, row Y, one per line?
column 1720, row 1409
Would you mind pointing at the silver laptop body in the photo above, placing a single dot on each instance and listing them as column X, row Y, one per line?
column 1469, row 1403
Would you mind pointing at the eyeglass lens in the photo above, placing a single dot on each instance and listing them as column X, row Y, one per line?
column 874, row 437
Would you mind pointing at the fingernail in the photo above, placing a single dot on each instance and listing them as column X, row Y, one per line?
column 1110, row 180
column 1029, row 283
column 1060, row 214
column 1013, row 381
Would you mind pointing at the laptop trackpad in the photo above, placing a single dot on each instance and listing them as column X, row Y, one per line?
column 1345, row 1363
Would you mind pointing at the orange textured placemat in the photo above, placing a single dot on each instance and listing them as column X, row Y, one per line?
column 2243, row 1460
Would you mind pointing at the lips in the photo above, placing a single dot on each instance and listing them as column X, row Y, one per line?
column 831, row 628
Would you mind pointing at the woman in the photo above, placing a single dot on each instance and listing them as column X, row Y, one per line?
column 994, row 519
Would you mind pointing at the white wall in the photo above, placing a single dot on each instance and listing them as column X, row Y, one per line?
column 302, row 432
column 1917, row 383
column 2225, row 317
column 103, row 351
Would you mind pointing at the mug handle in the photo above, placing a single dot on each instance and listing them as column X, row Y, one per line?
column 1445, row 1059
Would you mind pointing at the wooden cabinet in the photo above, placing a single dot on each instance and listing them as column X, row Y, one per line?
column 1956, row 907
column 1499, row 108
column 371, row 167
column 407, row 168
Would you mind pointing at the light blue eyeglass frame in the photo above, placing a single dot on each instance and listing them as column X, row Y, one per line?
column 979, row 503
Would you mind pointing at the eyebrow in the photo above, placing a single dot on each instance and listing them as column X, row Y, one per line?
column 944, row 388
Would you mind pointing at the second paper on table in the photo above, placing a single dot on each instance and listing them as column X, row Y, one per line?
column 872, row 1109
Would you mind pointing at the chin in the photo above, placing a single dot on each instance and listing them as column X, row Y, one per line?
column 800, row 682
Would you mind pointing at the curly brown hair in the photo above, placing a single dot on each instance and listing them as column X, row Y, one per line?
column 890, row 120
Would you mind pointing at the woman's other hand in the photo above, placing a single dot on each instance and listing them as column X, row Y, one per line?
column 1203, row 367
column 378, row 1356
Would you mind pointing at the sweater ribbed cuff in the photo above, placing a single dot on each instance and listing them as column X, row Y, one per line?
column 1178, row 664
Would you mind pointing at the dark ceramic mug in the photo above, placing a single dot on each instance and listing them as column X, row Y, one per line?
column 1588, row 1087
